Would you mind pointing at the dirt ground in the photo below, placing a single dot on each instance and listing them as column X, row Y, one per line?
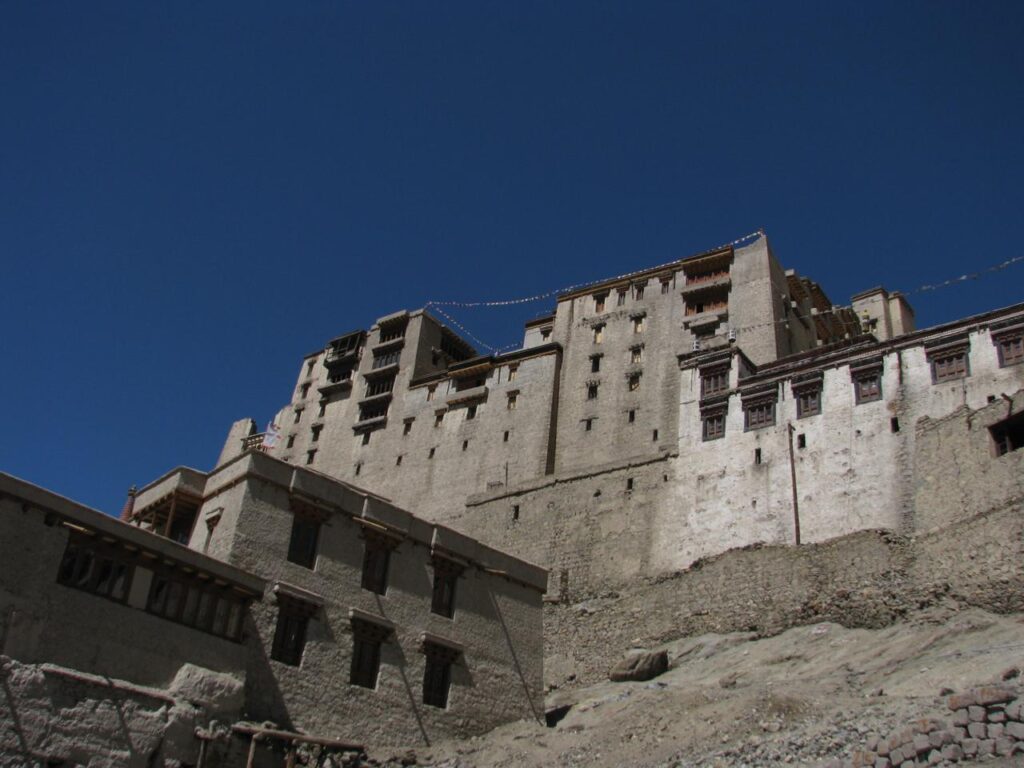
column 803, row 697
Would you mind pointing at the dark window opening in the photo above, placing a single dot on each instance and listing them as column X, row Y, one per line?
column 290, row 635
column 430, row 455
column 894, row 424
column 376, row 556
column 446, row 576
column 801, row 440
column 515, row 511
column 367, row 639
column 654, row 436
column 359, row 468
column 588, row 424
column 757, row 455
column 310, row 456
column 1008, row 435
column 366, row 438
column 592, row 391
column 620, row 299
column 595, row 363
column 373, row 411
column 629, row 483
column 407, row 427
column 291, row 441
column 632, row 416
column 323, row 408
column 471, row 413
column 437, row 676
column 465, row 444
column 380, row 386
column 315, row 432
column 398, row 460
column 505, row 438
column 302, row 545
column 438, row 418
column 88, row 567
column 599, row 302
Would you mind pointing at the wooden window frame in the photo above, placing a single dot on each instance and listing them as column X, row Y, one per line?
column 437, row 674
column 367, row 639
column 444, row 586
column 301, row 553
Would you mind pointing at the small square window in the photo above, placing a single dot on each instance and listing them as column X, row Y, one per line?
column 714, row 426
column 309, row 367
column 631, row 417
column 757, row 455
column 407, row 427
column 505, row 438
column 808, row 402
column 759, row 416
column 868, row 387
column 629, row 483
column 949, row 367
column 636, row 354
column 801, row 440
column 592, row 391
column 595, row 363
column 634, row 382
column 512, row 398
column 1011, row 350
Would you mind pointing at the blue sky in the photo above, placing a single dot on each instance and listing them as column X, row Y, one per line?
column 194, row 195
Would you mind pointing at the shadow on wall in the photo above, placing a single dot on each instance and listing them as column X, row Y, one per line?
column 263, row 697
column 512, row 652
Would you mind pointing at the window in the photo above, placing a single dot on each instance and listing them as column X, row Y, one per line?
column 808, row 402
column 666, row 286
column 515, row 511
column 631, row 416
column 471, row 413
column 291, row 441
column 620, row 299
column 629, row 483
column 376, row 555
column 588, row 424
column 430, row 392
column 309, row 367
column 595, row 363
column 315, row 432
column 305, row 391
column 638, row 324
column 757, row 455
column 654, row 436
column 801, row 440
column 407, row 427
column 290, row 635
column 513, row 371
column 366, row 642
column 949, row 366
column 759, row 415
column 373, row 411
column 359, row 468
column 392, row 333
column 430, row 454
column 867, row 383
column 894, row 424
column 465, row 444
column 634, row 382
column 1008, row 435
column 302, row 545
column 437, row 674
column 512, row 398
column 592, row 391
column 505, row 438
column 545, row 334
column 599, row 302
column 197, row 604
column 714, row 425
column 398, row 460
column 366, row 437
column 323, row 408
column 598, row 334
column 310, row 456
column 638, row 291
column 1011, row 350
column 384, row 359
column 438, row 418
column 298, row 415
column 714, row 382
column 446, row 576
column 89, row 566
column 380, row 386
column 636, row 354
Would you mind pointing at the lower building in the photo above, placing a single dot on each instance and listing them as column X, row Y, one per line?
column 257, row 592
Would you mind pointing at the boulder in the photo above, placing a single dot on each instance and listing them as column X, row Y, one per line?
column 642, row 665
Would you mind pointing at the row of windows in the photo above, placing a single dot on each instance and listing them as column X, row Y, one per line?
column 367, row 638
column 302, row 550
column 639, row 322
column 632, row 382
column 601, row 299
column 94, row 568
column 636, row 355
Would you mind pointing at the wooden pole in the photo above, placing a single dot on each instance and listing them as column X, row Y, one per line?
column 792, row 476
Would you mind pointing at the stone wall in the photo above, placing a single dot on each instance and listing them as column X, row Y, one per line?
column 864, row 579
